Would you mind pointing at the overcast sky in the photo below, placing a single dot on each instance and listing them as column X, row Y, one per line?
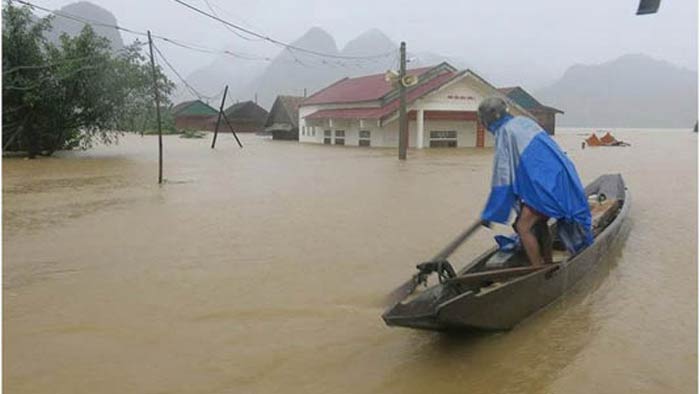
column 537, row 36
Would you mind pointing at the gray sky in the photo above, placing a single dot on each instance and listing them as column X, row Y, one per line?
column 536, row 38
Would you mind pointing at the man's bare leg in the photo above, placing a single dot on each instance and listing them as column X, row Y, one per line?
column 544, row 238
column 523, row 226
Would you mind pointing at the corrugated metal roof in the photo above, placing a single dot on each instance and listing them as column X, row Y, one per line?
column 246, row 111
column 178, row 107
column 526, row 100
column 194, row 107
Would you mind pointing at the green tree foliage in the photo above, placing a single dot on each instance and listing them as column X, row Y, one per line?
column 74, row 94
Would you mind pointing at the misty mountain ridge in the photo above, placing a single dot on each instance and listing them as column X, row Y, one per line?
column 292, row 72
column 634, row 90
column 88, row 11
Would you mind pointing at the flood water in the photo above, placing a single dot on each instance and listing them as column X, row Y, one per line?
column 263, row 270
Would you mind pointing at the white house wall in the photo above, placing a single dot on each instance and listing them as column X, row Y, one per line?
column 309, row 136
column 456, row 97
column 464, row 94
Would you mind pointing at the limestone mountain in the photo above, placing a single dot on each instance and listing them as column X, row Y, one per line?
column 630, row 91
column 292, row 71
column 86, row 10
column 370, row 43
column 211, row 79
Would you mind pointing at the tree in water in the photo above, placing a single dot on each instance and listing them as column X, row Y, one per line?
column 73, row 94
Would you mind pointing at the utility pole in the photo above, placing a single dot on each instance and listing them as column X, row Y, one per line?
column 232, row 130
column 218, row 120
column 403, row 121
column 222, row 114
column 155, row 90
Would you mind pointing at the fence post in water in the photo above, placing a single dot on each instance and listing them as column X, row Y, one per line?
column 218, row 120
column 155, row 90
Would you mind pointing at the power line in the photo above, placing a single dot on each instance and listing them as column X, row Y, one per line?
column 245, row 22
column 192, row 90
column 64, row 61
column 39, row 82
column 81, row 19
column 198, row 48
column 173, row 41
column 229, row 28
column 202, row 49
column 40, row 66
column 274, row 41
column 190, row 46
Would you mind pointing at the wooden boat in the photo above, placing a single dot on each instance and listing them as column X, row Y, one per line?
column 497, row 290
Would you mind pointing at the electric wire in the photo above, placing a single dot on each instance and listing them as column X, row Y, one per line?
column 202, row 49
column 189, row 87
column 64, row 61
column 228, row 27
column 173, row 41
column 275, row 41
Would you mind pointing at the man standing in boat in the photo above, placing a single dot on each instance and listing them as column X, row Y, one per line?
column 532, row 175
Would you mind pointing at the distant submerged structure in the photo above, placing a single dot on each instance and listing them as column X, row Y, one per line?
column 606, row 140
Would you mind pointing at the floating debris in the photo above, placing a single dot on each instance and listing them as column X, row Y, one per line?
column 607, row 140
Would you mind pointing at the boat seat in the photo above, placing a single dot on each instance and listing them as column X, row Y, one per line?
column 602, row 213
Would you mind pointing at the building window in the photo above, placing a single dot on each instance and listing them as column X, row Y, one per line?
column 303, row 130
column 443, row 139
column 313, row 131
column 364, row 138
column 327, row 137
column 340, row 137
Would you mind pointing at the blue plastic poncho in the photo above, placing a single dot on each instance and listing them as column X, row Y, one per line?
column 529, row 168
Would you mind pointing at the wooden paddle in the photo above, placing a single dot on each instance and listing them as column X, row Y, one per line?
column 499, row 275
column 407, row 288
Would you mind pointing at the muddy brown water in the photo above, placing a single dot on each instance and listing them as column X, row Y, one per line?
column 262, row 270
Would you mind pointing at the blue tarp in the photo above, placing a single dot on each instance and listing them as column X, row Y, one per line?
column 529, row 168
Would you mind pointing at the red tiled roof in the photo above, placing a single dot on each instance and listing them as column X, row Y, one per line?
column 347, row 113
column 350, row 90
column 390, row 107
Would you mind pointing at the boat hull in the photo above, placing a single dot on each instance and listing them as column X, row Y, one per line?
column 501, row 307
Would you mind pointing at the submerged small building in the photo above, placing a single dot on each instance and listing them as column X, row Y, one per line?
column 544, row 115
column 193, row 115
column 283, row 119
column 363, row 111
column 245, row 117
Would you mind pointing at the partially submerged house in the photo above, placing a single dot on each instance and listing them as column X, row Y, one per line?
column 441, row 109
column 283, row 119
column 545, row 115
column 245, row 117
column 193, row 115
